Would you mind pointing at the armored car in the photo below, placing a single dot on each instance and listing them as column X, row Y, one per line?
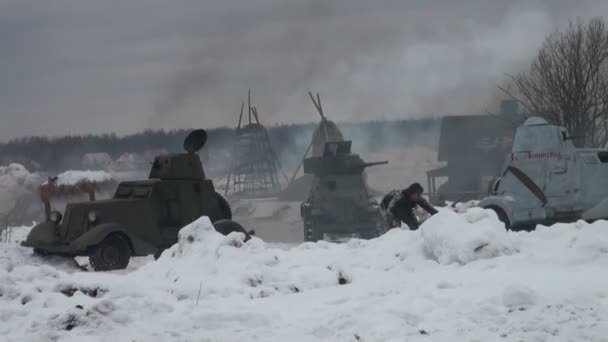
column 546, row 179
column 142, row 218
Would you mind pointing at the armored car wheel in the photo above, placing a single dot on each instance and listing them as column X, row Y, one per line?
column 502, row 216
column 224, row 207
column 113, row 253
column 226, row 227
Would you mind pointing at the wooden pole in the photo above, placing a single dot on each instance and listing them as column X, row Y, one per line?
column 320, row 106
column 312, row 98
column 301, row 162
column 238, row 127
column 249, row 104
column 255, row 114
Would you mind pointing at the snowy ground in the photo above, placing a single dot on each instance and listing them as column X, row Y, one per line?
column 460, row 278
column 273, row 220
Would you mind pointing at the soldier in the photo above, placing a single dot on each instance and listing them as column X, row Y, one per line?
column 398, row 206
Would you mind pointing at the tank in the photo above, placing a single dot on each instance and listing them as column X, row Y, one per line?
column 142, row 217
column 339, row 202
column 545, row 179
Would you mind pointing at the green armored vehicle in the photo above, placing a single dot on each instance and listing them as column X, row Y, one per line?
column 339, row 202
column 142, row 218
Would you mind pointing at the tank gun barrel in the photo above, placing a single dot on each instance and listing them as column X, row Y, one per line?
column 332, row 165
column 363, row 166
column 366, row 165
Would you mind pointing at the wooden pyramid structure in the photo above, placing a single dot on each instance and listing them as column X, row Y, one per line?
column 326, row 131
column 255, row 166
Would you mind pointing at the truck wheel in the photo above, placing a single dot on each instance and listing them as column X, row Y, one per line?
column 113, row 253
column 226, row 227
column 502, row 216
column 226, row 212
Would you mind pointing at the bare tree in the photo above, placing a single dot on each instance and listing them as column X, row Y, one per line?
column 568, row 81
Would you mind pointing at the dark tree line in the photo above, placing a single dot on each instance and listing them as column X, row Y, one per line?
column 56, row 153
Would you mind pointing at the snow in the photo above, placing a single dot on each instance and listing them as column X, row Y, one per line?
column 461, row 277
column 14, row 234
column 72, row 177
column 462, row 206
column 485, row 236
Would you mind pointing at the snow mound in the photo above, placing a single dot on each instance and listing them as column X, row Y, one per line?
column 229, row 267
column 518, row 297
column 434, row 284
column 73, row 177
column 450, row 237
column 461, row 207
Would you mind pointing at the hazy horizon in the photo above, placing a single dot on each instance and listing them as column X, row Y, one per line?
column 82, row 66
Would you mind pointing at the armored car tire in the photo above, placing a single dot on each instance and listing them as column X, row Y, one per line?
column 113, row 253
column 502, row 216
column 226, row 227
column 225, row 209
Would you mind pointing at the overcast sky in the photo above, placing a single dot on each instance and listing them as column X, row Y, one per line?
column 93, row 66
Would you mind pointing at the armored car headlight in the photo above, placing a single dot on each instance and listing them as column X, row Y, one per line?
column 92, row 216
column 55, row 216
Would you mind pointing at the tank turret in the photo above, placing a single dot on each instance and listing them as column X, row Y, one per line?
column 337, row 159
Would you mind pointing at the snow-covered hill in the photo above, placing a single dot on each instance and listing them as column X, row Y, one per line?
column 460, row 278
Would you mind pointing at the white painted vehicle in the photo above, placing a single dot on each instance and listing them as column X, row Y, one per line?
column 545, row 179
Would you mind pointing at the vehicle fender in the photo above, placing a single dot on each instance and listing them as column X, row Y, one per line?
column 42, row 233
column 96, row 234
column 598, row 212
column 503, row 202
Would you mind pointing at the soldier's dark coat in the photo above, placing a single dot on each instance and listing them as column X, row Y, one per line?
column 401, row 207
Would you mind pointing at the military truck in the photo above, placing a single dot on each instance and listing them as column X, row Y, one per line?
column 142, row 218
column 339, row 202
column 546, row 179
